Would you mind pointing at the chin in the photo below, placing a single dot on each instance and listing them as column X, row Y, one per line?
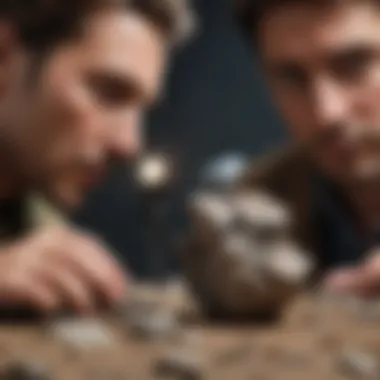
column 68, row 200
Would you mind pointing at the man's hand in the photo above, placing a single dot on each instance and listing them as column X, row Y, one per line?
column 55, row 269
column 363, row 280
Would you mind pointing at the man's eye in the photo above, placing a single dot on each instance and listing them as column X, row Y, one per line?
column 353, row 65
column 292, row 77
column 110, row 91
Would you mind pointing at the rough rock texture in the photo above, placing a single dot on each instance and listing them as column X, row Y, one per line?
column 240, row 258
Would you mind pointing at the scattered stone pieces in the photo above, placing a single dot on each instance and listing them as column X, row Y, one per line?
column 82, row 334
column 356, row 364
column 24, row 371
column 178, row 366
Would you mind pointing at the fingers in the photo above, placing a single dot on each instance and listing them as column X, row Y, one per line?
column 343, row 280
column 98, row 271
column 39, row 296
column 29, row 292
column 56, row 270
column 361, row 281
column 70, row 291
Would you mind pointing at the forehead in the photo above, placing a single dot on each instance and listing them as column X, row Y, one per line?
column 125, row 44
column 300, row 32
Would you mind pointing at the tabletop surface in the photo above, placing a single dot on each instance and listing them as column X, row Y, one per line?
column 317, row 338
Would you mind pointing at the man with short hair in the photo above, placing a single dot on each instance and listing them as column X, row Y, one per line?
column 76, row 78
column 321, row 60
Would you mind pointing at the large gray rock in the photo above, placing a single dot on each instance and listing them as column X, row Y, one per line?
column 240, row 258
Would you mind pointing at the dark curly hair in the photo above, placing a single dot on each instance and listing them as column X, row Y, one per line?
column 42, row 24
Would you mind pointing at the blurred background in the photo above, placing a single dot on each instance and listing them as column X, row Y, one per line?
column 216, row 103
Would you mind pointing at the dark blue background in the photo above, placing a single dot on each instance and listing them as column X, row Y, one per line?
column 216, row 102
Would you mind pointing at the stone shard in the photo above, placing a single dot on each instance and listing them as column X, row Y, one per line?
column 82, row 334
column 356, row 364
column 25, row 371
column 178, row 366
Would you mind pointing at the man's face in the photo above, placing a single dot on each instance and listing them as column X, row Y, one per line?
column 323, row 65
column 84, row 105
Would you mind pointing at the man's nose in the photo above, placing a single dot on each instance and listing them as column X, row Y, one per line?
column 330, row 104
column 126, row 136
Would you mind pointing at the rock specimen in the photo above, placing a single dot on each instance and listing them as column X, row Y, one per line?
column 240, row 258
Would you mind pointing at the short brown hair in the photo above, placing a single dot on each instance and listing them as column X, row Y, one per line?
column 249, row 13
column 42, row 24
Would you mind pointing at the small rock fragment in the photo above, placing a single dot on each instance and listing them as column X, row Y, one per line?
column 356, row 364
column 24, row 371
column 82, row 334
column 178, row 366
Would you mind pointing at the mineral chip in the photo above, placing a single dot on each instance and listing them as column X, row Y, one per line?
column 178, row 366
column 24, row 371
column 82, row 334
column 357, row 364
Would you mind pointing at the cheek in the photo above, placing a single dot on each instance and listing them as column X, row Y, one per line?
column 74, row 121
column 296, row 112
column 366, row 101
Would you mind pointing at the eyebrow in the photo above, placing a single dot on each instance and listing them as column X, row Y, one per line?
column 129, row 82
column 279, row 63
column 354, row 49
